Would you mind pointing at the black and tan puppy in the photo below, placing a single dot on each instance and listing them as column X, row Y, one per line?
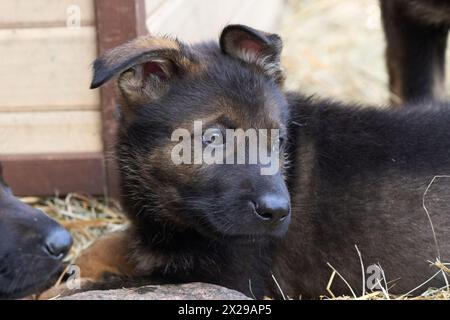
column 32, row 247
column 416, row 33
column 355, row 176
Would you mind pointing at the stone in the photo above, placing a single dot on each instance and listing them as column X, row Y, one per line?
column 189, row 291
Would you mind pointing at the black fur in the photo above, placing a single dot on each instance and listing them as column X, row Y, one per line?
column 356, row 176
column 204, row 247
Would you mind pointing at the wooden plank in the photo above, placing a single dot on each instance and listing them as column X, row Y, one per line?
column 47, row 69
column 47, row 132
column 40, row 13
column 55, row 174
column 198, row 20
column 117, row 22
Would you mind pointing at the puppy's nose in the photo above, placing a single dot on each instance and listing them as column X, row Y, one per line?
column 58, row 243
column 272, row 208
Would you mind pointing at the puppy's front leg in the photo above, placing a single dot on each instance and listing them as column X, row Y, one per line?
column 108, row 255
column 101, row 266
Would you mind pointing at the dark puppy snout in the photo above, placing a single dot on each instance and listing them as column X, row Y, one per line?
column 57, row 243
column 272, row 208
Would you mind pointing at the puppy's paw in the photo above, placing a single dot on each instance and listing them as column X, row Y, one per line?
column 107, row 255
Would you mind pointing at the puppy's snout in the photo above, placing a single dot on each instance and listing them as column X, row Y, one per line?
column 58, row 243
column 272, row 208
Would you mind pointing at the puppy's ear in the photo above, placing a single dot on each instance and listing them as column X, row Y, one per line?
column 145, row 68
column 254, row 47
column 1, row 173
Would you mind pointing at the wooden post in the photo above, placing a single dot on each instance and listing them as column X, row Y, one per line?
column 51, row 174
column 118, row 21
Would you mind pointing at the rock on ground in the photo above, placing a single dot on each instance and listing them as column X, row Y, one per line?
column 189, row 291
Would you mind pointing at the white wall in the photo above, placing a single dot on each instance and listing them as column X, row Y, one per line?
column 194, row 20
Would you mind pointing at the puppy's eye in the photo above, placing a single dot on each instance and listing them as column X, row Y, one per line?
column 213, row 136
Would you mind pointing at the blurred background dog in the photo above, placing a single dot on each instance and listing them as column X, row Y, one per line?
column 32, row 247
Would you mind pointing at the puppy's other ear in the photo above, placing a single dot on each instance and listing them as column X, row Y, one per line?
column 145, row 66
column 254, row 47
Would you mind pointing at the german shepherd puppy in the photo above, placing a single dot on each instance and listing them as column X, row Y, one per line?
column 32, row 247
column 349, row 175
column 416, row 33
